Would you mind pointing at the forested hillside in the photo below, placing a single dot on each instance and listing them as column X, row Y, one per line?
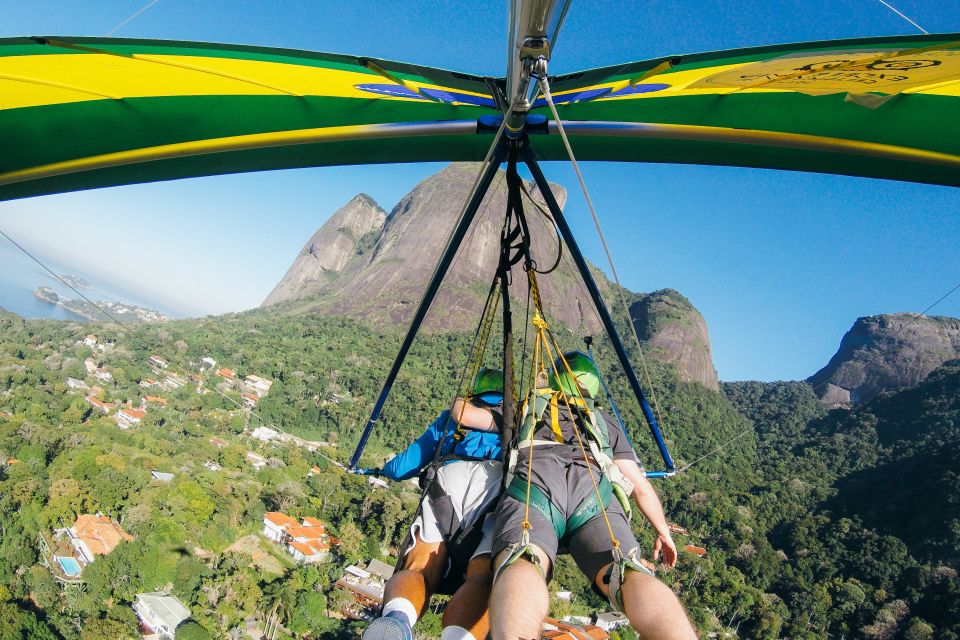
column 799, row 543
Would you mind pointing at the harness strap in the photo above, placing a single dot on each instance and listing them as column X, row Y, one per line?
column 517, row 550
column 618, row 572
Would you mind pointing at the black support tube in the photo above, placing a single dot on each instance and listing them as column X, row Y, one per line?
column 591, row 285
column 463, row 225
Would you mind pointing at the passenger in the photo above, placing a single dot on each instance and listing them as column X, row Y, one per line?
column 564, row 509
column 447, row 531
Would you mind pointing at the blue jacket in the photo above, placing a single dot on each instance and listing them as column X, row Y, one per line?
column 476, row 444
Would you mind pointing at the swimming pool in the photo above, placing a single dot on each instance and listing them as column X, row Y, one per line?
column 71, row 568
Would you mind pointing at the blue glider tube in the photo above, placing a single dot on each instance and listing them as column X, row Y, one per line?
column 605, row 318
column 466, row 219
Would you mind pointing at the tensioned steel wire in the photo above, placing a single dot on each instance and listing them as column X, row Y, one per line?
column 545, row 89
column 128, row 327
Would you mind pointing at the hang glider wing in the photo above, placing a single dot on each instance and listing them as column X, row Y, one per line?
column 878, row 107
column 80, row 113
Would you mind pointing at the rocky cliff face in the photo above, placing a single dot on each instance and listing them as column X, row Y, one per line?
column 329, row 250
column 366, row 264
column 675, row 332
column 886, row 353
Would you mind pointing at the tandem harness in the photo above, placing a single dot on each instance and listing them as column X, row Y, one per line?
column 611, row 483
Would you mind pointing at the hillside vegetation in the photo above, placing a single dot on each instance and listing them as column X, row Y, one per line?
column 840, row 523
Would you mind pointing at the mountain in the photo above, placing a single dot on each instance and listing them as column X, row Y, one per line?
column 329, row 249
column 886, row 353
column 676, row 332
column 366, row 264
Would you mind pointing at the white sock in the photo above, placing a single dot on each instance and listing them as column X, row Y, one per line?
column 453, row 632
column 401, row 605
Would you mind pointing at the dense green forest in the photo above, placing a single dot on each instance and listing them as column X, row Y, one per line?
column 816, row 524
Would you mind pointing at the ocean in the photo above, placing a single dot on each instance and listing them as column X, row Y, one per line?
column 20, row 276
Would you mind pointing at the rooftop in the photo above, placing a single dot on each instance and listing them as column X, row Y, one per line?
column 165, row 607
column 99, row 533
column 280, row 519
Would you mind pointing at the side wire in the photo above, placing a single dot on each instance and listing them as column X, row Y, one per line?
column 545, row 89
column 128, row 327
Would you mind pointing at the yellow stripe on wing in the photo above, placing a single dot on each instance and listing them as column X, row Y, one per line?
column 241, row 143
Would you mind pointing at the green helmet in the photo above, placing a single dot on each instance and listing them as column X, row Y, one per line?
column 584, row 371
column 488, row 381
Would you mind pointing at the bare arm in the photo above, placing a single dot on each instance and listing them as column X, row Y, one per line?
column 649, row 503
column 472, row 416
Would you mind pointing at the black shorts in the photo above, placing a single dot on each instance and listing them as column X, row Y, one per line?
column 567, row 484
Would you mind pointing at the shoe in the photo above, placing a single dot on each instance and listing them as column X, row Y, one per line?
column 388, row 627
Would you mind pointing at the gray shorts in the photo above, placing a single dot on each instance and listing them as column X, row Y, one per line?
column 469, row 489
column 567, row 484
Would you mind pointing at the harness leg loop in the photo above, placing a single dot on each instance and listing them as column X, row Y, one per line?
column 621, row 564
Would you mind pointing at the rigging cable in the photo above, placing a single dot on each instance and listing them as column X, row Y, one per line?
column 131, row 18
column 545, row 89
column 902, row 15
column 128, row 327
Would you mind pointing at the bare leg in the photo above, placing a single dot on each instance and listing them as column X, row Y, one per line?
column 467, row 608
column 653, row 609
column 520, row 600
column 422, row 570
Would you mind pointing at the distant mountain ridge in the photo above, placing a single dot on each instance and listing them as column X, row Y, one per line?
column 886, row 353
column 372, row 265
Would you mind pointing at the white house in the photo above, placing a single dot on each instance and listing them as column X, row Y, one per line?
column 90, row 365
column 161, row 612
column 162, row 476
column 73, row 383
column 258, row 461
column 611, row 620
column 264, row 434
column 172, row 381
column 127, row 418
column 102, row 374
column 275, row 524
column 307, row 541
column 260, row 386
column 90, row 341
column 212, row 466
column 377, row 482
column 207, row 363
column 156, row 362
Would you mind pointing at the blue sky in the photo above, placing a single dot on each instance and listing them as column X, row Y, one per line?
column 779, row 263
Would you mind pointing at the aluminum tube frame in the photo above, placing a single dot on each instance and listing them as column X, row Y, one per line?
column 443, row 265
column 605, row 317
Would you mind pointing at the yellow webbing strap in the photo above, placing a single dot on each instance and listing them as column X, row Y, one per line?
column 476, row 356
column 576, row 430
column 555, row 419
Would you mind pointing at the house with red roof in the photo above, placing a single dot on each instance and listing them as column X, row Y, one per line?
column 307, row 540
column 103, row 407
column 554, row 629
column 127, row 418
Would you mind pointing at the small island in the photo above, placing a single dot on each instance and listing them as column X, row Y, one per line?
column 73, row 281
column 121, row 310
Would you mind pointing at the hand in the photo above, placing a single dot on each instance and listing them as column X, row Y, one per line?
column 366, row 472
column 664, row 544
